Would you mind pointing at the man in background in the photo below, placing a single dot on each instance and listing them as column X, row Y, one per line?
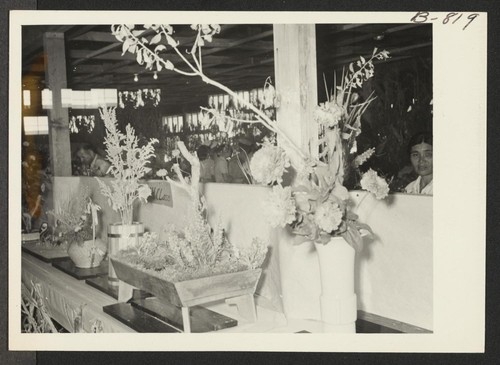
column 93, row 163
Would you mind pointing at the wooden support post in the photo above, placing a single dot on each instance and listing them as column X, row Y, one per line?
column 296, row 83
column 55, row 72
column 125, row 291
column 246, row 306
column 186, row 321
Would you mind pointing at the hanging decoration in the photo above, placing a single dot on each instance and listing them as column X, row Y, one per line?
column 79, row 122
column 139, row 98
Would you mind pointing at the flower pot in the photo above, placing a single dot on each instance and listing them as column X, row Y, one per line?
column 120, row 236
column 338, row 299
column 189, row 292
column 88, row 254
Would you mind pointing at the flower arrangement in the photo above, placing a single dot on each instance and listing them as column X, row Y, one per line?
column 76, row 219
column 128, row 165
column 315, row 205
column 198, row 250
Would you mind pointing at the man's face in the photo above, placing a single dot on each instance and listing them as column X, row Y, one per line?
column 421, row 158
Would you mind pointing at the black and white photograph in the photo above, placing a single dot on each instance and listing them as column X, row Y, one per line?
column 266, row 176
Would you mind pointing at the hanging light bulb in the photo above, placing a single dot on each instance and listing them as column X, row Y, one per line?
column 136, row 78
column 155, row 76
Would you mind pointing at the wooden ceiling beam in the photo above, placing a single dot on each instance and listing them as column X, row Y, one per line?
column 33, row 43
column 116, row 56
column 205, row 53
column 370, row 35
column 215, row 43
column 211, row 51
column 394, row 51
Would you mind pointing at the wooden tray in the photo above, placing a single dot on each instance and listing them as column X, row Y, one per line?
column 190, row 292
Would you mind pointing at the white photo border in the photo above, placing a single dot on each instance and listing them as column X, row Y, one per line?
column 459, row 109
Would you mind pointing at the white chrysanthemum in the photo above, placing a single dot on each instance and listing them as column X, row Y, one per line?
column 328, row 216
column 323, row 116
column 143, row 192
column 280, row 208
column 329, row 114
column 161, row 173
column 268, row 164
column 374, row 184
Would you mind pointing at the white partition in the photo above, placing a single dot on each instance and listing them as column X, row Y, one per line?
column 394, row 270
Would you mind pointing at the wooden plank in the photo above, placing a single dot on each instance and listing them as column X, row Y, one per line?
column 202, row 319
column 68, row 267
column 46, row 253
column 138, row 320
column 209, row 289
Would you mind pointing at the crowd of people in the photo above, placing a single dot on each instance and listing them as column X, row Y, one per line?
column 229, row 163
column 225, row 163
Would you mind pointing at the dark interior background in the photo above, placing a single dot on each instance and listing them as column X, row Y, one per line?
column 241, row 57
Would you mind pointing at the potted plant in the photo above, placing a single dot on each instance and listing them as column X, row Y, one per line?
column 193, row 265
column 128, row 165
column 76, row 220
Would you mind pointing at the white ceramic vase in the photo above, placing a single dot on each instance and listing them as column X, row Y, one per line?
column 88, row 254
column 338, row 299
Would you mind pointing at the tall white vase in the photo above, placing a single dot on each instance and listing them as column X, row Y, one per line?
column 338, row 299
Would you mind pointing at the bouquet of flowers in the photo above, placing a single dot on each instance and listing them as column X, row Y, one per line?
column 76, row 219
column 128, row 165
column 315, row 205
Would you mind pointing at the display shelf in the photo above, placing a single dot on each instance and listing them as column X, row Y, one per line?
column 138, row 320
column 45, row 253
column 69, row 268
column 101, row 283
column 201, row 319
